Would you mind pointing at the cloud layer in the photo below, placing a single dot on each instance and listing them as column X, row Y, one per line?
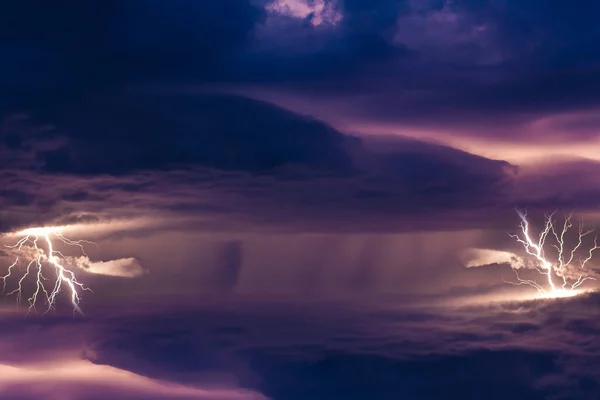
column 82, row 380
column 201, row 160
column 530, row 350
column 188, row 137
column 110, row 115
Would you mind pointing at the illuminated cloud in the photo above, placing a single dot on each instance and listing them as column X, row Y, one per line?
column 474, row 258
column 81, row 379
column 122, row 267
column 62, row 366
column 318, row 12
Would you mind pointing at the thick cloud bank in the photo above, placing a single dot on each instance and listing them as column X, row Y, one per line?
column 528, row 350
column 212, row 155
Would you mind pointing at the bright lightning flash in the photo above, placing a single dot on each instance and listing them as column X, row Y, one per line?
column 35, row 252
column 564, row 273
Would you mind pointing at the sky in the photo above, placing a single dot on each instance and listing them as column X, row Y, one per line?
column 299, row 199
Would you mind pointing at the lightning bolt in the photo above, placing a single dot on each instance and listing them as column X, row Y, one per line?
column 565, row 267
column 37, row 247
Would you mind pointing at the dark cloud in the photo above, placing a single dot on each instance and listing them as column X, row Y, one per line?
column 560, row 183
column 492, row 67
column 482, row 69
column 59, row 367
column 286, row 49
column 224, row 132
column 236, row 154
column 464, row 85
column 531, row 350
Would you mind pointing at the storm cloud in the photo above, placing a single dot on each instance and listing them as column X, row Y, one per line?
column 298, row 199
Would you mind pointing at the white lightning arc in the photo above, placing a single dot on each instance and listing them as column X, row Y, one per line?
column 37, row 257
column 566, row 266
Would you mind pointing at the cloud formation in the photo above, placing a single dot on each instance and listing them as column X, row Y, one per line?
column 122, row 267
column 523, row 350
column 317, row 12
column 239, row 116
column 83, row 380
column 265, row 156
column 62, row 366
column 475, row 258
column 454, row 73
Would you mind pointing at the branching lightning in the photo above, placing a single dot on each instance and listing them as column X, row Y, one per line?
column 35, row 253
column 563, row 272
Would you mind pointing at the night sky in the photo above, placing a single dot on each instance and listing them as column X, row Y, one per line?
column 300, row 199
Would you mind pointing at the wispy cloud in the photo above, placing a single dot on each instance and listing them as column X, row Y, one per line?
column 474, row 258
column 122, row 267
